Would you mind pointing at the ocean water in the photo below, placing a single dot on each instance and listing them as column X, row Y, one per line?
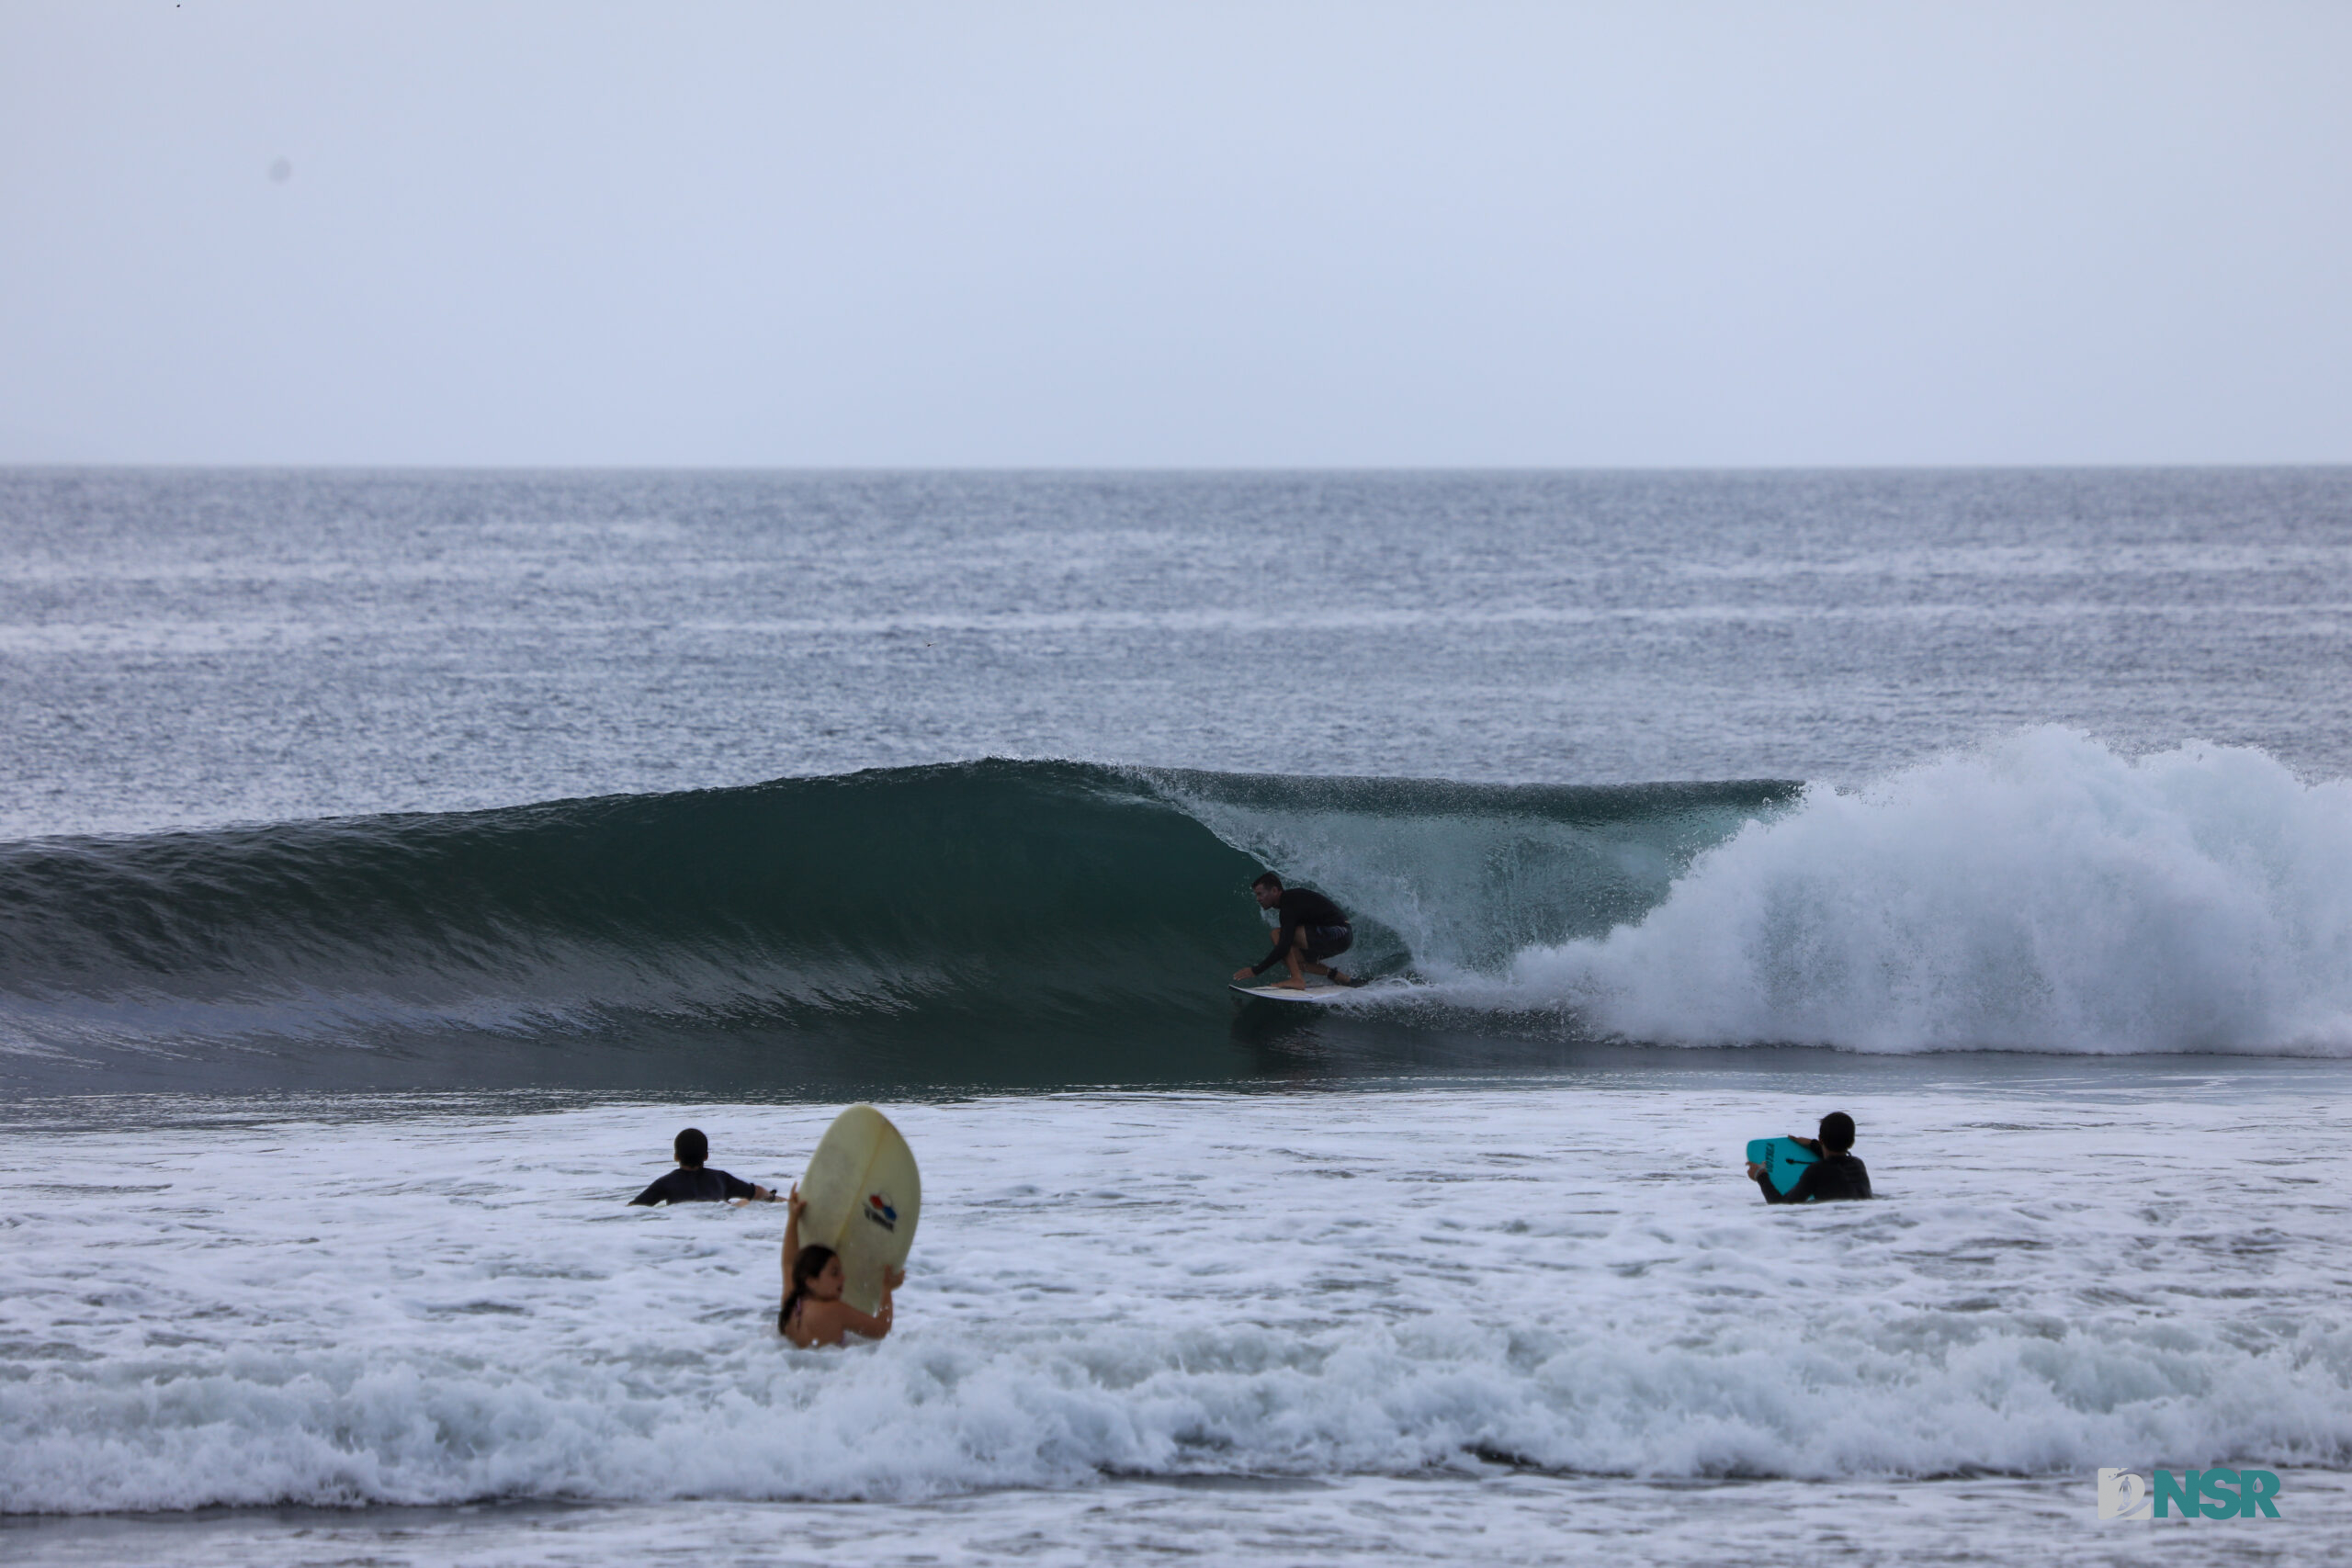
column 393, row 861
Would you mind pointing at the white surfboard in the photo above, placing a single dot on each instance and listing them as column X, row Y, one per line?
column 1319, row 989
column 864, row 1197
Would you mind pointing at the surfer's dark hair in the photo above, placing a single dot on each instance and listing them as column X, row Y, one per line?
column 1837, row 1131
column 1267, row 879
column 805, row 1268
column 691, row 1147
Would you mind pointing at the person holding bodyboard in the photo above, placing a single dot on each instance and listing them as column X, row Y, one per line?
column 1312, row 929
column 1832, row 1173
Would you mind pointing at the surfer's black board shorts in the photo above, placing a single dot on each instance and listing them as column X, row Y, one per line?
column 1328, row 942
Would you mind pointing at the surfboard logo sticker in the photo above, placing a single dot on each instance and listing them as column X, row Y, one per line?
column 882, row 1211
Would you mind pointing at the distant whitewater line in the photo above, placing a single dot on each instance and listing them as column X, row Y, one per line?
column 2042, row 894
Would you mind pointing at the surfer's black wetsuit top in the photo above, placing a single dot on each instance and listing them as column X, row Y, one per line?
column 684, row 1185
column 1301, row 908
column 1829, row 1178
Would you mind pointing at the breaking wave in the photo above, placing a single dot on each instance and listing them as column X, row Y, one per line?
column 1008, row 922
column 2042, row 894
column 990, row 921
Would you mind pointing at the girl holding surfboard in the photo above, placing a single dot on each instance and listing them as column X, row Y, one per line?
column 846, row 1241
column 813, row 1311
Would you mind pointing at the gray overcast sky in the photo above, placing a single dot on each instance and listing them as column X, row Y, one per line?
column 1176, row 234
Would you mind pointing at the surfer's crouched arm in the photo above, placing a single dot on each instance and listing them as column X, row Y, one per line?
column 1282, row 936
column 1286, row 937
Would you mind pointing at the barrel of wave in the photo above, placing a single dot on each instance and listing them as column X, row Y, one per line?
column 864, row 1195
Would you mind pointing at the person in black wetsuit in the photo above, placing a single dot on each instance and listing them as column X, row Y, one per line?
column 1313, row 930
column 1837, row 1174
column 690, row 1184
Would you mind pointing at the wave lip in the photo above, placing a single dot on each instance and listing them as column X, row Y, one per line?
column 2042, row 894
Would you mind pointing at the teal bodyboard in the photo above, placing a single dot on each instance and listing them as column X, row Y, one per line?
column 1783, row 1160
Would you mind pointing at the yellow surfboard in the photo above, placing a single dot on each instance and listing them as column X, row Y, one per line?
column 864, row 1197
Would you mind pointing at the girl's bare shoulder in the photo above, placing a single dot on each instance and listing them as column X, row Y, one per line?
column 819, row 1323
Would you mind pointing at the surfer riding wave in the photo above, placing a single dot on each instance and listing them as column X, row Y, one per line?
column 1313, row 929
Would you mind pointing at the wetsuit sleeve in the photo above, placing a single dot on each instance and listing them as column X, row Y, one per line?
column 1283, row 940
column 736, row 1186
column 1288, row 910
column 651, row 1195
column 1300, row 906
column 1807, row 1189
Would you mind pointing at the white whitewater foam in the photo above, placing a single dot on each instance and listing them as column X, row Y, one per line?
column 431, row 1311
column 2042, row 894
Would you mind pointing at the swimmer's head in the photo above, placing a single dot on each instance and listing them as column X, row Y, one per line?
column 1837, row 1131
column 817, row 1274
column 691, row 1147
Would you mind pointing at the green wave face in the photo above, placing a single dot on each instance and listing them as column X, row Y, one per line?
column 972, row 924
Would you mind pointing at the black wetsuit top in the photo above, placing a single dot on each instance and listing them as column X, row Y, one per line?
column 1299, row 907
column 1830, row 1177
column 684, row 1185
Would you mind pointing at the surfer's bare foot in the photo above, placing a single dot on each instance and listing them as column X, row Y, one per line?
column 1339, row 979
